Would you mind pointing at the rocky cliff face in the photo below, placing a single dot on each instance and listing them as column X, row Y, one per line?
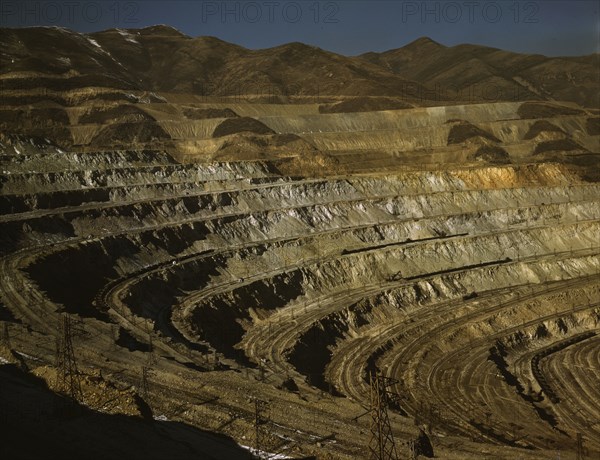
column 319, row 280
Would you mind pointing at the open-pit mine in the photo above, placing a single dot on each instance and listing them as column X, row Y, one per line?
column 315, row 276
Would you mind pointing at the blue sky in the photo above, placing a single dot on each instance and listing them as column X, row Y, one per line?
column 550, row 27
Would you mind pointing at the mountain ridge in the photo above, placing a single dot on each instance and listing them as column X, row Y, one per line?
column 161, row 58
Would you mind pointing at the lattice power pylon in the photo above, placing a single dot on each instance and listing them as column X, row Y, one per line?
column 412, row 450
column 260, row 420
column 580, row 451
column 5, row 335
column 381, row 446
column 67, row 374
column 144, row 387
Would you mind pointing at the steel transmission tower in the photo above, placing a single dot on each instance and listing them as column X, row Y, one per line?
column 260, row 419
column 381, row 446
column 5, row 335
column 67, row 374
column 144, row 387
column 580, row 451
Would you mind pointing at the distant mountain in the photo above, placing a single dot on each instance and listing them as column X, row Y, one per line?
column 160, row 58
column 472, row 71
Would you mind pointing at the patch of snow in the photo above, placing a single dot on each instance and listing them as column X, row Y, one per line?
column 4, row 361
column 161, row 418
column 166, row 26
column 95, row 43
column 61, row 29
column 25, row 355
column 64, row 60
column 102, row 50
column 158, row 97
column 263, row 454
column 127, row 36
